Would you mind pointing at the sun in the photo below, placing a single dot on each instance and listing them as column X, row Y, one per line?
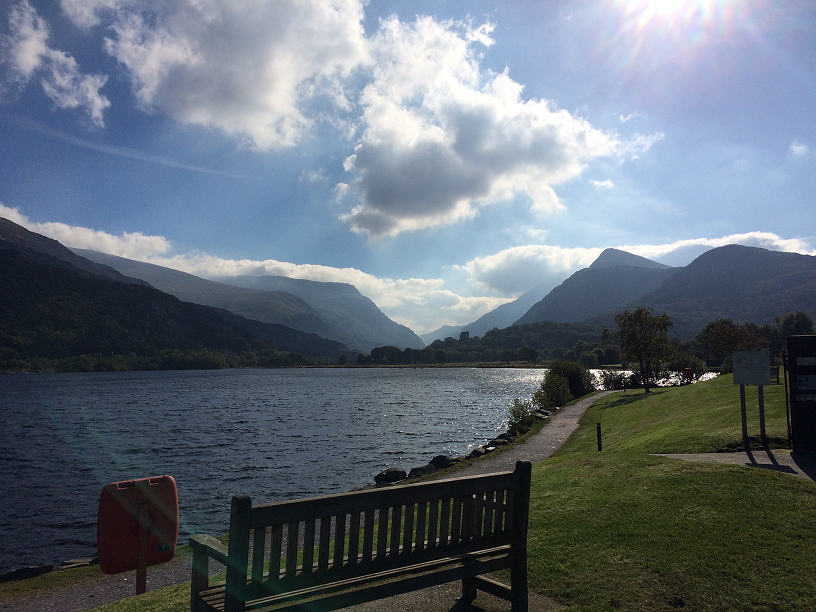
column 647, row 14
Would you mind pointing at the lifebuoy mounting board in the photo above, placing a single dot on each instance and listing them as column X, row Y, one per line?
column 117, row 525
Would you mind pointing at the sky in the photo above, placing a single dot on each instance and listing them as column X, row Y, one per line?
column 444, row 157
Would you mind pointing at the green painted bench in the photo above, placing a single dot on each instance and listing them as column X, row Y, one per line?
column 340, row 550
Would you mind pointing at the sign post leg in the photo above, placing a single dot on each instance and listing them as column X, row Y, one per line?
column 744, row 419
column 141, row 569
column 762, row 416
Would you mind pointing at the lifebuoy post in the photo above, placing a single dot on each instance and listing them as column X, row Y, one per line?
column 137, row 526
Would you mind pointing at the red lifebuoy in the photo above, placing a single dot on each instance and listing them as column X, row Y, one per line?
column 117, row 526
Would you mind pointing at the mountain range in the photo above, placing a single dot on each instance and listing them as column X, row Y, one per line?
column 733, row 281
column 337, row 311
column 57, row 304
column 130, row 304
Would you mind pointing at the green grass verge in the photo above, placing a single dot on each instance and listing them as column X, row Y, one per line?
column 626, row 530
column 53, row 580
column 700, row 418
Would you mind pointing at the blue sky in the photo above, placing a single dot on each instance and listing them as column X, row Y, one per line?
column 444, row 157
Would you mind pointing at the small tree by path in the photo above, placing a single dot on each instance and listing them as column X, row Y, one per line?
column 643, row 337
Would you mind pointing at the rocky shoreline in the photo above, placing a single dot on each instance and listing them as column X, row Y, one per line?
column 394, row 475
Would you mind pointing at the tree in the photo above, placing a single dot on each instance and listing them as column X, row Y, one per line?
column 643, row 337
column 796, row 323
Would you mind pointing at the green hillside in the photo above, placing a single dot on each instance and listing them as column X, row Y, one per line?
column 50, row 312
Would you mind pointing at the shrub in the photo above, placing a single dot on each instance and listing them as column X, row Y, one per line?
column 520, row 414
column 614, row 381
column 577, row 375
column 554, row 391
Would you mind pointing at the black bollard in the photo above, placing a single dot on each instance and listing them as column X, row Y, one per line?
column 598, row 428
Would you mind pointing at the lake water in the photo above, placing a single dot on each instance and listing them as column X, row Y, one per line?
column 271, row 434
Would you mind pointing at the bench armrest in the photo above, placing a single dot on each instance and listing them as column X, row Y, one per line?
column 209, row 546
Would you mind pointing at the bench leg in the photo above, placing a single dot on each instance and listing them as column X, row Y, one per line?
column 518, row 586
column 468, row 590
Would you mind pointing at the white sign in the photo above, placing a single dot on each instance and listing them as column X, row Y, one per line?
column 751, row 367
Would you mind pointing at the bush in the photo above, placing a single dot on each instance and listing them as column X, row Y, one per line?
column 615, row 381
column 578, row 376
column 520, row 414
column 554, row 391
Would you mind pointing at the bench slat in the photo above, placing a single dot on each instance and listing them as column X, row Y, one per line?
column 433, row 524
column 258, row 543
column 368, row 536
column 292, row 535
column 382, row 533
column 323, row 550
column 408, row 530
column 354, row 538
column 456, row 520
column 422, row 515
column 339, row 539
column 396, row 522
column 276, row 538
column 308, row 547
column 489, row 504
column 498, row 515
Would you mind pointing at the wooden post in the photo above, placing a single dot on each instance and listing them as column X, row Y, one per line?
column 238, row 548
column 518, row 572
column 143, row 525
column 598, row 431
column 744, row 419
column 762, row 416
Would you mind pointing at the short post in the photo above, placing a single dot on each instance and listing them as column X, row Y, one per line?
column 598, row 429
column 141, row 569
column 744, row 419
column 762, row 416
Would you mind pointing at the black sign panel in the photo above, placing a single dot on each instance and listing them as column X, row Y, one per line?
column 802, row 375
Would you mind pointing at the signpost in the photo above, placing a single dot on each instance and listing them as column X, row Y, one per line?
column 752, row 368
column 137, row 526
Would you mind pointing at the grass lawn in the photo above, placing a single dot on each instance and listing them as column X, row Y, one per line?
column 625, row 530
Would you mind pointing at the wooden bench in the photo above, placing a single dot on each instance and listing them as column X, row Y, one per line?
column 331, row 552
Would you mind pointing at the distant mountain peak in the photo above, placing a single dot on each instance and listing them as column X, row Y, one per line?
column 610, row 258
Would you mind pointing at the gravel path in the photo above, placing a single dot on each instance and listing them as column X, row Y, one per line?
column 95, row 592
column 538, row 447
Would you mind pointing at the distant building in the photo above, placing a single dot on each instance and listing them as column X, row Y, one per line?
column 464, row 336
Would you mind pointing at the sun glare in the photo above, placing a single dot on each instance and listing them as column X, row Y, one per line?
column 674, row 14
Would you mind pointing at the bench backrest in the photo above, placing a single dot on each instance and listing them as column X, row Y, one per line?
column 328, row 538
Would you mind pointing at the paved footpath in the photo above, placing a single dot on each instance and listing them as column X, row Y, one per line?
column 96, row 592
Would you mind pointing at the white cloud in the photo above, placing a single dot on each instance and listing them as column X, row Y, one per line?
column 798, row 149
column 27, row 53
column 131, row 245
column 764, row 240
column 607, row 184
column 244, row 68
column 25, row 47
column 442, row 137
column 627, row 118
column 85, row 13
column 513, row 271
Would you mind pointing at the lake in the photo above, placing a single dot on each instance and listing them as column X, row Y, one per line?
column 270, row 434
